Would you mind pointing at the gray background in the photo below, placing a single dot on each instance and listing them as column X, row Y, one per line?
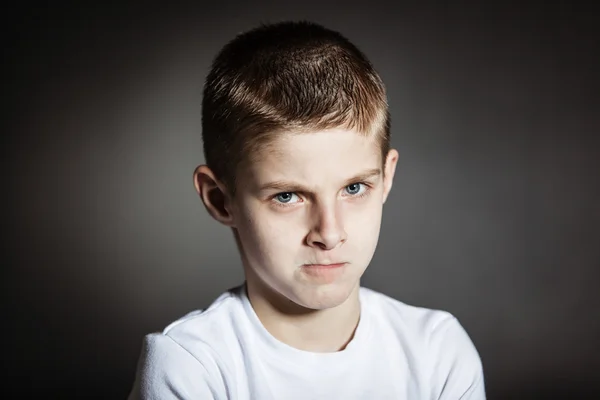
column 494, row 215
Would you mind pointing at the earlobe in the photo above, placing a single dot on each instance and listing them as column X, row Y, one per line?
column 390, row 169
column 213, row 194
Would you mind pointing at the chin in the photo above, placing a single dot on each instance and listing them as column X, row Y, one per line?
column 324, row 297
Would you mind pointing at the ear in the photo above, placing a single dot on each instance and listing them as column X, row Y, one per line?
column 214, row 195
column 389, row 171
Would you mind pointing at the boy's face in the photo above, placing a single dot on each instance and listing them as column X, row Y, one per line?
column 313, row 200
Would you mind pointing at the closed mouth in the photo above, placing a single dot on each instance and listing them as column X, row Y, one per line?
column 328, row 265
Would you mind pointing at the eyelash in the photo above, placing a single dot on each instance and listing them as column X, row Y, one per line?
column 366, row 192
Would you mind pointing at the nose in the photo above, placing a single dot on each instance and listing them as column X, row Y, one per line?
column 327, row 230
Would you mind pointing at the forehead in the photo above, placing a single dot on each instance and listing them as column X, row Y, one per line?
column 313, row 157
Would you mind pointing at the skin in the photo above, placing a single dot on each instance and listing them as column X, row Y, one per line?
column 317, row 199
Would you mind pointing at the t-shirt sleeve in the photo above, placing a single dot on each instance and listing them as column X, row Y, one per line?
column 457, row 370
column 168, row 371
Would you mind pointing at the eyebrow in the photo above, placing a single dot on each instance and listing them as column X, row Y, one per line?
column 288, row 186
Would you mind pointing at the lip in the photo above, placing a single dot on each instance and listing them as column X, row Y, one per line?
column 324, row 273
column 325, row 266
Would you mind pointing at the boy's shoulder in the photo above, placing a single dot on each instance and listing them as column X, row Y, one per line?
column 422, row 327
column 213, row 322
column 396, row 311
column 188, row 353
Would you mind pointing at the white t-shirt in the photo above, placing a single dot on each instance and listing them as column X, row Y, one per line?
column 398, row 352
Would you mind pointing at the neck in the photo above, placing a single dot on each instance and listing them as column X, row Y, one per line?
column 319, row 331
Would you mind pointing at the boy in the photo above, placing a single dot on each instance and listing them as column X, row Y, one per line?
column 296, row 135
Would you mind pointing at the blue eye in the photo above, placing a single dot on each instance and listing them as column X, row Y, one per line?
column 284, row 197
column 353, row 188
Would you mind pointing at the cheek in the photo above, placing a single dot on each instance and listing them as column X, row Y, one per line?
column 267, row 236
column 365, row 212
column 363, row 222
